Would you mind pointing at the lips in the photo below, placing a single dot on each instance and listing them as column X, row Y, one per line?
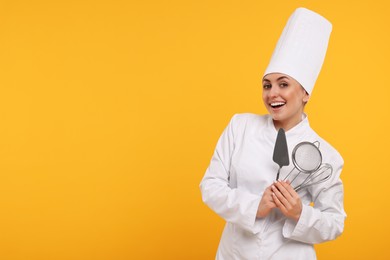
column 277, row 104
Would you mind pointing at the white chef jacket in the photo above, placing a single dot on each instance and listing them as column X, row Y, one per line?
column 239, row 172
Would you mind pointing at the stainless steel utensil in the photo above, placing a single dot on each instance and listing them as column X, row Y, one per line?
column 320, row 175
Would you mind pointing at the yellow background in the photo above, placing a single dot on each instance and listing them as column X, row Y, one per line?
column 110, row 111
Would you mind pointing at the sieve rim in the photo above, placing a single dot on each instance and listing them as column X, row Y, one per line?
column 295, row 162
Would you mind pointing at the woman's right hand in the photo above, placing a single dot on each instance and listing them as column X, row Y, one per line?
column 266, row 204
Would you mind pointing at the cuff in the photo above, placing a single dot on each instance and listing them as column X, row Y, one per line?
column 292, row 228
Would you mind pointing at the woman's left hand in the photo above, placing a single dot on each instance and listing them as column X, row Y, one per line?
column 287, row 199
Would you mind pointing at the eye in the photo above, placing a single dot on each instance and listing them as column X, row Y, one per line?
column 283, row 84
column 267, row 86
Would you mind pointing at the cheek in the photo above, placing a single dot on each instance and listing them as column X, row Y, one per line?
column 264, row 97
column 298, row 101
column 264, row 94
column 296, row 97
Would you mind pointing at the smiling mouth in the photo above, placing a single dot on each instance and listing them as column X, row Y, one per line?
column 277, row 104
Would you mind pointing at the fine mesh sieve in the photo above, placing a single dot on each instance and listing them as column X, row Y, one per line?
column 306, row 157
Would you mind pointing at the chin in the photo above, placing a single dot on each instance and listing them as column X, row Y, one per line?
column 276, row 117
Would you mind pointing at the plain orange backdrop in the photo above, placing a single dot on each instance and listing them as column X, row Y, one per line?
column 110, row 111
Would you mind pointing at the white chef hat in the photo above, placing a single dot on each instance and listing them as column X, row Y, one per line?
column 301, row 48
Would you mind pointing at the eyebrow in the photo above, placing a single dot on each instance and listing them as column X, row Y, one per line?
column 282, row 77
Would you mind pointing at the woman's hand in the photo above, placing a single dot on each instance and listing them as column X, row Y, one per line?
column 287, row 199
column 266, row 203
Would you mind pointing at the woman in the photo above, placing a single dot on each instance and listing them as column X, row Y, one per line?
column 268, row 219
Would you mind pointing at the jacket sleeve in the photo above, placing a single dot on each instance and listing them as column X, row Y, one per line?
column 233, row 204
column 325, row 220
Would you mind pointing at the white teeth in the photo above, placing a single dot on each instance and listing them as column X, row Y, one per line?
column 277, row 104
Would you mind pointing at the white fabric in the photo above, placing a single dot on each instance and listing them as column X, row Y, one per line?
column 239, row 171
column 301, row 49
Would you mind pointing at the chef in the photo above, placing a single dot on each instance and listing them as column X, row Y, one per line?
column 268, row 219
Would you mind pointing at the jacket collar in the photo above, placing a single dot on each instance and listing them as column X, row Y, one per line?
column 299, row 130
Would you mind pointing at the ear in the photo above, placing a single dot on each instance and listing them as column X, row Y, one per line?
column 306, row 97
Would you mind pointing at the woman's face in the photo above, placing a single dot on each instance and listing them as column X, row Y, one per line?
column 284, row 99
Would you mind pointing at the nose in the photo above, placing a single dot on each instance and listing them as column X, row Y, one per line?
column 273, row 92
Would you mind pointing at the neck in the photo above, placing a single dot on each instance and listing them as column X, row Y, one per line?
column 287, row 125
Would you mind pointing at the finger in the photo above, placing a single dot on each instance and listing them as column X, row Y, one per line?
column 279, row 195
column 268, row 196
column 271, row 198
column 281, row 187
column 294, row 200
column 278, row 203
column 290, row 189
